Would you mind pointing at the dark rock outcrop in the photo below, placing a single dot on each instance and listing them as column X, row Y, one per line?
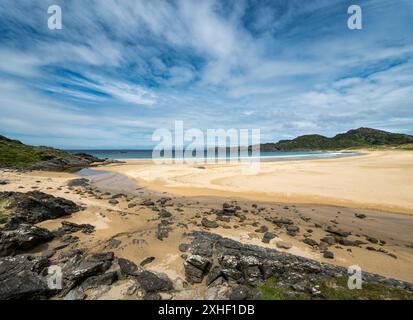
column 20, row 278
column 149, row 281
column 232, row 263
column 65, row 162
column 24, row 238
column 70, row 227
column 34, row 207
column 209, row 224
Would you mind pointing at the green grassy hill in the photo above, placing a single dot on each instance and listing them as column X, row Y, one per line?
column 15, row 154
column 358, row 138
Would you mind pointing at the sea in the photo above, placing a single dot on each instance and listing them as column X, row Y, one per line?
column 264, row 155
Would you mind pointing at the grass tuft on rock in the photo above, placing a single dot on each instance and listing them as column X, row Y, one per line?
column 334, row 289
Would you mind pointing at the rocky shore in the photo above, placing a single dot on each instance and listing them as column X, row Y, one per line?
column 237, row 271
column 34, row 250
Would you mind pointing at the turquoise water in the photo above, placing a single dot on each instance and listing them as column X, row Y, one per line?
column 264, row 155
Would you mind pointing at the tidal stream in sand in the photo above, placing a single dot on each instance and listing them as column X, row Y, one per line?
column 110, row 181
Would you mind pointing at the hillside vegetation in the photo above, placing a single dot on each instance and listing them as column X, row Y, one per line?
column 358, row 138
column 15, row 154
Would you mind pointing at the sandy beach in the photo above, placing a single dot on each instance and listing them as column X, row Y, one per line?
column 314, row 194
column 379, row 180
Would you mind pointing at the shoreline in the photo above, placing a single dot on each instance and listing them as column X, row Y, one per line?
column 306, row 155
column 125, row 223
column 379, row 242
column 315, row 181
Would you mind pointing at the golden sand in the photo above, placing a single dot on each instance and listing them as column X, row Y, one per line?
column 381, row 180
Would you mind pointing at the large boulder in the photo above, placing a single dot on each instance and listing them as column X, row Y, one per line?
column 34, row 207
column 20, row 278
column 65, row 162
column 152, row 282
column 149, row 281
column 24, row 238
column 196, row 267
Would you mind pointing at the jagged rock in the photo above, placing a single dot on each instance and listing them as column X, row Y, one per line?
column 77, row 269
column 128, row 268
column 209, row 224
column 148, row 281
column 202, row 247
column 82, row 182
column 239, row 293
column 214, row 274
column 66, row 241
column 196, row 267
column 310, row 242
column 65, row 256
column 20, row 278
column 67, row 162
column 152, row 282
column 70, row 227
column 218, row 290
column 34, row 207
column 229, row 261
column 105, row 279
column 338, row 232
column 24, row 238
column 243, row 264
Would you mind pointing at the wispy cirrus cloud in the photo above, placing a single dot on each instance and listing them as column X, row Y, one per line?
column 120, row 69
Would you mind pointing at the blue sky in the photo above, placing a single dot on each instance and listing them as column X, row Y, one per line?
column 121, row 69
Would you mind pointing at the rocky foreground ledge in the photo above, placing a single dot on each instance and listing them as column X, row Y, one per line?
column 240, row 271
column 218, row 267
